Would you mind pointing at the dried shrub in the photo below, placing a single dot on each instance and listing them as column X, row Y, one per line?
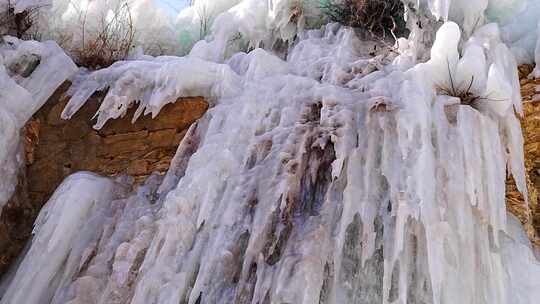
column 205, row 20
column 462, row 89
column 462, row 92
column 110, row 42
column 378, row 17
column 18, row 24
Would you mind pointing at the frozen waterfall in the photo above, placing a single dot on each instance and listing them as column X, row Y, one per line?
column 333, row 176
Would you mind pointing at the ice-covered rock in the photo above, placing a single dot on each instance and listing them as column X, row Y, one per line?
column 152, row 83
column 30, row 72
column 217, row 29
column 56, row 231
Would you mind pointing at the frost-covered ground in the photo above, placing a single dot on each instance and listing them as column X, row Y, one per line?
column 334, row 175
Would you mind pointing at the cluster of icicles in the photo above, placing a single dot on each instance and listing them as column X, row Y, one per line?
column 332, row 177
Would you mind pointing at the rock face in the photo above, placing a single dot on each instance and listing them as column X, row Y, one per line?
column 16, row 222
column 529, row 215
column 55, row 148
column 67, row 146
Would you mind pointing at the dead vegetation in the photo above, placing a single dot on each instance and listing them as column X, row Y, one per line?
column 464, row 93
column 462, row 90
column 377, row 17
column 107, row 43
column 18, row 24
column 101, row 42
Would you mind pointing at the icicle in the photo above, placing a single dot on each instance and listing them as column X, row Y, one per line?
column 153, row 84
column 56, row 231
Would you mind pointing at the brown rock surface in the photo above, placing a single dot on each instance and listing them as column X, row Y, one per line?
column 529, row 215
column 55, row 148
column 138, row 149
column 16, row 222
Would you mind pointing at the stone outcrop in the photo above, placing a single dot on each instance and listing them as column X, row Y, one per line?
column 16, row 222
column 67, row 146
column 55, row 148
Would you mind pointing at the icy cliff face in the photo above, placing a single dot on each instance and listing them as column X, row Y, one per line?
column 335, row 176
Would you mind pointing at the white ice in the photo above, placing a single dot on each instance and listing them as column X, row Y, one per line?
column 56, row 231
column 516, row 18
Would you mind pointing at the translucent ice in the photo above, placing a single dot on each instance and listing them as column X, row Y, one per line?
column 56, row 229
column 517, row 19
column 152, row 83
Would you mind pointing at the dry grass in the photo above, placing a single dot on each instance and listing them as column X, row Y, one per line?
column 463, row 93
column 378, row 17
column 462, row 90
column 100, row 46
column 111, row 42
column 18, row 24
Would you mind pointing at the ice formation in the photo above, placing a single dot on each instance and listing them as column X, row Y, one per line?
column 153, row 83
column 29, row 73
column 330, row 176
column 365, row 187
column 56, row 229
column 516, row 18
